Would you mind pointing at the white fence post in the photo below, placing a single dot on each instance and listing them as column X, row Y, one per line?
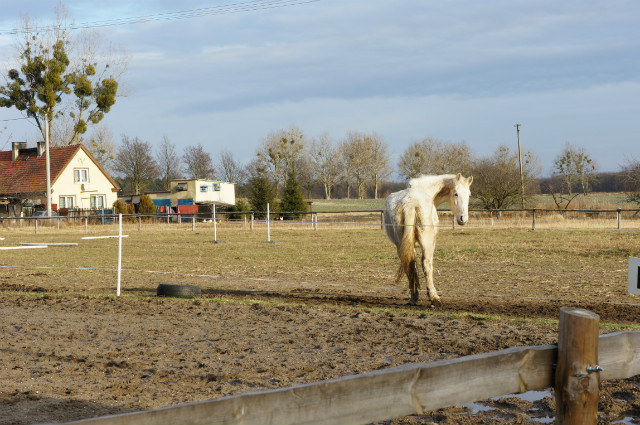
column 268, row 225
column 119, row 252
column 215, row 225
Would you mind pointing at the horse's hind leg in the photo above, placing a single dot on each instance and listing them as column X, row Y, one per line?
column 427, row 242
column 414, row 283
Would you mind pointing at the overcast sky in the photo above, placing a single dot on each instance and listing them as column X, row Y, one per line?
column 455, row 70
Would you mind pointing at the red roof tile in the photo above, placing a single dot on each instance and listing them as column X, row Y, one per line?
column 28, row 173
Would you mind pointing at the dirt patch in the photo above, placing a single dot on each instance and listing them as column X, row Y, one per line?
column 72, row 357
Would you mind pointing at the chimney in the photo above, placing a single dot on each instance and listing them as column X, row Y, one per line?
column 41, row 148
column 15, row 150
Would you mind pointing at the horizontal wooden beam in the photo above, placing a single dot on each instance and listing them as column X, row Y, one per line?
column 393, row 392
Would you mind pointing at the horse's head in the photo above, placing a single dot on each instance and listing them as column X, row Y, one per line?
column 460, row 198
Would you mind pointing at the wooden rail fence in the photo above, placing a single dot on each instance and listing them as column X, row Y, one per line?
column 421, row 387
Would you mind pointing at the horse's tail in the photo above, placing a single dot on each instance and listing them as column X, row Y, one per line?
column 407, row 251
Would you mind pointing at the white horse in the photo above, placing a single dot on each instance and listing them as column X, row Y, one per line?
column 411, row 216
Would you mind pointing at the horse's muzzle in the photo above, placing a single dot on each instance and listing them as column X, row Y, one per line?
column 462, row 221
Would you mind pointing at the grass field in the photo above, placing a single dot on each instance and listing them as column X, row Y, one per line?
column 311, row 305
column 605, row 201
column 575, row 265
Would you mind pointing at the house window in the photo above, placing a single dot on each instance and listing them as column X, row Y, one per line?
column 97, row 202
column 67, row 202
column 81, row 175
column 204, row 188
column 216, row 187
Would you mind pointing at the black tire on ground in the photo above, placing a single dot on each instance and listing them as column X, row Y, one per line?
column 179, row 291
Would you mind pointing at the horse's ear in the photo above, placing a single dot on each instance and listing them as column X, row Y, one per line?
column 470, row 180
column 458, row 177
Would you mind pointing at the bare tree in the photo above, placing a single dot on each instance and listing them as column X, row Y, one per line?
column 102, row 147
column 280, row 150
column 325, row 163
column 574, row 172
column 229, row 169
column 365, row 160
column 433, row 156
column 135, row 163
column 199, row 163
column 378, row 158
column 355, row 161
column 169, row 162
column 496, row 178
column 631, row 178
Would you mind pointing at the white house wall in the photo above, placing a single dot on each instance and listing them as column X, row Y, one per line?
column 226, row 194
column 97, row 183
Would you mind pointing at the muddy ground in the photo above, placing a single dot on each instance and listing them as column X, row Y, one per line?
column 66, row 356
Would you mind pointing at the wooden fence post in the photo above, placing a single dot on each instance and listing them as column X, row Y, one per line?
column 577, row 373
column 619, row 214
column 533, row 224
column 139, row 223
column 86, row 224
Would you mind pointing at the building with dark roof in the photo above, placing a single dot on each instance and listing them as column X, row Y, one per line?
column 78, row 181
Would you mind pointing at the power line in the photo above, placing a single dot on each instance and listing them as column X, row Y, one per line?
column 247, row 6
column 14, row 119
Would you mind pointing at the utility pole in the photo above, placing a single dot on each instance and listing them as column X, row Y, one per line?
column 517, row 126
column 48, row 161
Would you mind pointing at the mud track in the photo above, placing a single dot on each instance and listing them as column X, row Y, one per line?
column 529, row 308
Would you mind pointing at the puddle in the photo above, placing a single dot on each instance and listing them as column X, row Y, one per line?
column 545, row 420
column 529, row 396
column 477, row 407
column 624, row 421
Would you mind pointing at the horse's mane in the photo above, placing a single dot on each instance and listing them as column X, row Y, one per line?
column 436, row 187
column 429, row 183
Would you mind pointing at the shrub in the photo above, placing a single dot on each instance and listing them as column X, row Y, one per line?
column 242, row 205
column 146, row 205
column 293, row 200
column 119, row 207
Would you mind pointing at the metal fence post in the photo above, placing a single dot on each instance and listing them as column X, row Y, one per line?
column 619, row 214
column 252, row 218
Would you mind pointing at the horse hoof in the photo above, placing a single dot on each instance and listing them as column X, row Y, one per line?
column 413, row 302
column 436, row 302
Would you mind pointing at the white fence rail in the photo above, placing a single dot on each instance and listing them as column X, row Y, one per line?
column 530, row 219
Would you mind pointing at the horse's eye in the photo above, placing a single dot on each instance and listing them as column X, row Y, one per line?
column 455, row 194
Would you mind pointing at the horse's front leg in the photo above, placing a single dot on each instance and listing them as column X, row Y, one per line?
column 428, row 249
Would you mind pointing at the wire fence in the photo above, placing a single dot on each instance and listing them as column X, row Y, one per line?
column 528, row 219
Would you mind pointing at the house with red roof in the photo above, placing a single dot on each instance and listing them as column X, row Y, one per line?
column 78, row 181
